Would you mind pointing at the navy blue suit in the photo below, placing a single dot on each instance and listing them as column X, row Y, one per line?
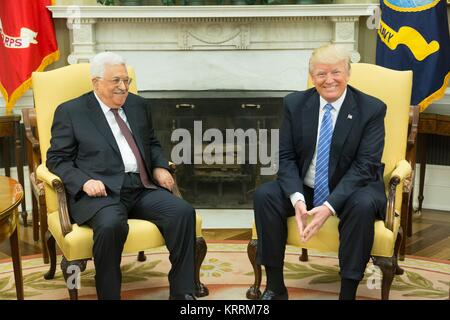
column 355, row 176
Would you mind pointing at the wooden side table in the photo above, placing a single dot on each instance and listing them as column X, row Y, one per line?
column 10, row 129
column 430, row 123
column 11, row 193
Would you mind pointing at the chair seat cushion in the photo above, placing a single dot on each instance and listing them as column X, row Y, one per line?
column 327, row 239
column 78, row 244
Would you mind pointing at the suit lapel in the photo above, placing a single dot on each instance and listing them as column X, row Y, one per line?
column 98, row 118
column 347, row 116
column 310, row 120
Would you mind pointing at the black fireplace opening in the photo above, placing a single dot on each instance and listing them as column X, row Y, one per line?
column 211, row 184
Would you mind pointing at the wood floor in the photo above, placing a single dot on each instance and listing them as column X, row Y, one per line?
column 431, row 237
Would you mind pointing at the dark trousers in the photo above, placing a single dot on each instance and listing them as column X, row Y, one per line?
column 175, row 219
column 356, row 227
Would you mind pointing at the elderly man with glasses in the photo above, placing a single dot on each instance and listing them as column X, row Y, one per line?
column 104, row 149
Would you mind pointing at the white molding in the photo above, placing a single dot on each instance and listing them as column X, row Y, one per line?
column 226, row 218
column 436, row 187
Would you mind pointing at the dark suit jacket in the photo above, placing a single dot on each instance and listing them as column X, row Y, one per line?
column 83, row 147
column 356, row 147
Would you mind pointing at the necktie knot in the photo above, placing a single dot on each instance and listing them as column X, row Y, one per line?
column 328, row 107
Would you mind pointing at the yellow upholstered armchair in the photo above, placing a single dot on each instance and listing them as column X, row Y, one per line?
column 394, row 88
column 50, row 90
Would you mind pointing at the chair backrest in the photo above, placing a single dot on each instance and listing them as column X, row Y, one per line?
column 50, row 89
column 393, row 88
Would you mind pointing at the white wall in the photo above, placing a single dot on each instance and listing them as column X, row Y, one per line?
column 436, row 187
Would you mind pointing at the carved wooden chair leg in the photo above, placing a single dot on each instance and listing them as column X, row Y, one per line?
column 71, row 271
column 35, row 216
column 141, row 256
column 397, row 248
column 410, row 213
column 254, row 292
column 404, row 223
column 51, row 247
column 387, row 266
column 304, row 256
column 200, row 252
column 43, row 227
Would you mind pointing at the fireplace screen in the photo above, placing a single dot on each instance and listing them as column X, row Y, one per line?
column 221, row 146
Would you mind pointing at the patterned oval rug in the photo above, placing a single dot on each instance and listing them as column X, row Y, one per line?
column 227, row 273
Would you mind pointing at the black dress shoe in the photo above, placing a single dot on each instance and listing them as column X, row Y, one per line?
column 270, row 295
column 186, row 296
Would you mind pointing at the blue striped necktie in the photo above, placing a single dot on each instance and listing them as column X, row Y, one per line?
column 321, row 190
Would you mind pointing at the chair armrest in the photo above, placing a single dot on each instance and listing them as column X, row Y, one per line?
column 55, row 183
column 402, row 171
column 29, row 122
column 32, row 140
column 46, row 176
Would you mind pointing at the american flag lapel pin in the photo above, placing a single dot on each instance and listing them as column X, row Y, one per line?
column 349, row 116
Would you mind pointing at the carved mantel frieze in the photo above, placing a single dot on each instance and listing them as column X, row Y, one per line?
column 208, row 40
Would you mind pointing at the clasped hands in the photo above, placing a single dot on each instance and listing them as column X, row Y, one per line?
column 320, row 215
column 96, row 188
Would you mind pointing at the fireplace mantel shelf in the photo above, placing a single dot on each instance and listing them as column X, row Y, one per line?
column 170, row 12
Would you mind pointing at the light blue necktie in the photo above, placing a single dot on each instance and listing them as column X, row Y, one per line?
column 321, row 191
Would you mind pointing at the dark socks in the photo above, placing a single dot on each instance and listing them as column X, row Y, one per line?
column 275, row 280
column 348, row 289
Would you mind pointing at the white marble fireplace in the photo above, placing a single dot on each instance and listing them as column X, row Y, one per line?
column 185, row 48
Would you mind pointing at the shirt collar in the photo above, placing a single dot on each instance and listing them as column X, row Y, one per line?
column 336, row 104
column 104, row 107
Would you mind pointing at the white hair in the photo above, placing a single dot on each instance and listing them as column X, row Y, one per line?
column 101, row 59
column 329, row 54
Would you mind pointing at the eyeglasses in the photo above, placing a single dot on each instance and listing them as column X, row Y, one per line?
column 117, row 81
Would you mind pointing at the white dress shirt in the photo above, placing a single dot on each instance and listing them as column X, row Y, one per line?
column 128, row 158
column 311, row 172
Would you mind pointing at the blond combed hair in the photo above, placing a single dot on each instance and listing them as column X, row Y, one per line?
column 329, row 54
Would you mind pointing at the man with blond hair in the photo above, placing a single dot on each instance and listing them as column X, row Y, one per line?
column 331, row 143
